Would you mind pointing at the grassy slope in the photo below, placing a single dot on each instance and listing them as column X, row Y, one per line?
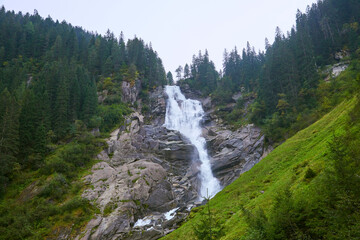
column 286, row 165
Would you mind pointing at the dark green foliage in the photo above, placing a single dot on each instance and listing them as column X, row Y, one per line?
column 343, row 197
column 55, row 164
column 222, row 96
column 55, row 188
column 209, row 227
column 31, row 220
column 169, row 78
column 19, row 221
column 9, row 136
column 285, row 78
column 309, row 174
column 346, row 85
column 58, row 180
column 202, row 74
column 49, row 74
column 49, row 78
column 112, row 115
column 32, row 128
column 75, row 203
column 70, row 157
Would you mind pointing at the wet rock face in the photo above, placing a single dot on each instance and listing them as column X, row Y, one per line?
column 147, row 171
column 157, row 106
column 234, row 152
column 195, row 94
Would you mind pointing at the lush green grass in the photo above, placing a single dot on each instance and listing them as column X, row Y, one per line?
column 287, row 166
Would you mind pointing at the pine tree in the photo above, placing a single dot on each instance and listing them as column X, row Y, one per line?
column 179, row 72
column 9, row 136
column 186, row 71
column 28, row 124
column 208, row 228
column 61, row 117
column 170, row 79
column 89, row 101
column 74, row 93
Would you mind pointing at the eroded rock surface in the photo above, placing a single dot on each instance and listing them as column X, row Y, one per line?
column 130, row 91
column 147, row 180
column 146, row 171
column 234, row 152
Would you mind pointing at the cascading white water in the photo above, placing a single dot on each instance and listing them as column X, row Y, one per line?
column 184, row 115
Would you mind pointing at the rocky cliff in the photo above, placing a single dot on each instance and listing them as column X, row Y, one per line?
column 147, row 179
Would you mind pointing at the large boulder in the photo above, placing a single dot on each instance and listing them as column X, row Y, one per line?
column 124, row 193
column 234, row 152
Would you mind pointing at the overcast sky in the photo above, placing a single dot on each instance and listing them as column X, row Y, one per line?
column 176, row 29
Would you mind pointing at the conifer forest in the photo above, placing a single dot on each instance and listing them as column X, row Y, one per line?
column 98, row 140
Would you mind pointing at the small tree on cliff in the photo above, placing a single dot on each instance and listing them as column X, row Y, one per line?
column 208, row 228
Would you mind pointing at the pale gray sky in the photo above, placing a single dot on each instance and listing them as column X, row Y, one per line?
column 176, row 29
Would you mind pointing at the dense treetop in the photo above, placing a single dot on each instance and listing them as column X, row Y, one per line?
column 282, row 83
column 50, row 73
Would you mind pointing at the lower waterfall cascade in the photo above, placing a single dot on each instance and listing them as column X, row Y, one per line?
column 185, row 115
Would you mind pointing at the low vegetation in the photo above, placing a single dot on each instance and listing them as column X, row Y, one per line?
column 48, row 201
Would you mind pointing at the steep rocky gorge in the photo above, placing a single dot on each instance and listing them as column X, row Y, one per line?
column 148, row 178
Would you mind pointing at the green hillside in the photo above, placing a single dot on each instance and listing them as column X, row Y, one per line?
column 299, row 164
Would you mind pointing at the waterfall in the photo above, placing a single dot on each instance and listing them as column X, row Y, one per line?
column 184, row 115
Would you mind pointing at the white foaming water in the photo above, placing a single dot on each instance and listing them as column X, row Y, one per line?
column 142, row 222
column 170, row 214
column 184, row 115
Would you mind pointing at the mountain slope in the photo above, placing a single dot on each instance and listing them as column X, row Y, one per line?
column 286, row 167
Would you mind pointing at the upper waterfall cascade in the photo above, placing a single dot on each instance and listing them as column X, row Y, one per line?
column 184, row 115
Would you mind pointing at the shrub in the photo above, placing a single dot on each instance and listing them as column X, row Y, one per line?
column 56, row 187
column 75, row 203
column 112, row 115
column 55, row 163
column 309, row 174
column 112, row 99
column 94, row 122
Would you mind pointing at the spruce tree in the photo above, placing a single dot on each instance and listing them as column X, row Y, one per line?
column 9, row 136
column 61, row 114
column 170, row 79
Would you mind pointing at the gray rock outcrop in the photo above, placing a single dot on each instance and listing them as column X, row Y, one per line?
column 130, row 91
column 146, row 171
column 234, row 152
column 147, row 180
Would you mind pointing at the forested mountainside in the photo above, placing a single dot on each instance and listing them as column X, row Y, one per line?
column 308, row 187
column 51, row 124
column 284, row 83
column 84, row 153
